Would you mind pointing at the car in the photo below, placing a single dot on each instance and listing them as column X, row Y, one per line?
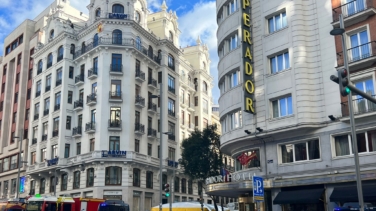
column 348, row 206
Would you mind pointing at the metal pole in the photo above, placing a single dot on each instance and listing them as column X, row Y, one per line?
column 160, row 144
column 352, row 122
column 19, row 169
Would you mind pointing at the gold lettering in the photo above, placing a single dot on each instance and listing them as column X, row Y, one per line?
column 247, row 36
column 246, row 19
column 249, row 105
column 249, row 86
column 248, row 68
column 245, row 3
column 248, row 53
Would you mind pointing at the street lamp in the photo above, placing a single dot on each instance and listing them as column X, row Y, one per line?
column 335, row 32
column 19, row 167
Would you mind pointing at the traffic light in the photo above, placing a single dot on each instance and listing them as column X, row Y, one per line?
column 167, row 190
column 343, row 82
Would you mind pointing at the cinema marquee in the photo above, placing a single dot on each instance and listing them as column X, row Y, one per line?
column 249, row 88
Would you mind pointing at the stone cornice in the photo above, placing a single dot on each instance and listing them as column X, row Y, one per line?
column 49, row 45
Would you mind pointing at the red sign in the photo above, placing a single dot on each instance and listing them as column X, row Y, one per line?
column 244, row 158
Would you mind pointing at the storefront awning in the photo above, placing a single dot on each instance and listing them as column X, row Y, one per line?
column 350, row 194
column 307, row 196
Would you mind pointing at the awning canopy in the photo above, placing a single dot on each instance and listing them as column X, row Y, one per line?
column 307, row 196
column 350, row 194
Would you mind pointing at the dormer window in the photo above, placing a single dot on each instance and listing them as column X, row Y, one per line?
column 98, row 12
column 52, row 34
column 117, row 8
column 137, row 17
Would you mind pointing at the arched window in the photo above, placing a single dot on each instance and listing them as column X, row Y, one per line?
column 52, row 184
column 190, row 189
column 138, row 43
column 98, row 12
column 83, row 48
column 159, row 58
column 117, row 8
column 52, row 34
column 171, row 62
column 204, row 65
column 171, row 36
column 72, row 48
column 42, row 186
column 177, row 184
column 137, row 17
column 183, row 185
column 90, row 177
column 116, row 37
column 76, row 179
column 60, row 53
column 150, row 52
column 40, row 67
column 164, row 178
column 195, row 83
column 49, row 60
column 64, row 182
column 136, row 177
column 204, row 87
column 113, row 175
column 149, row 179
column 95, row 40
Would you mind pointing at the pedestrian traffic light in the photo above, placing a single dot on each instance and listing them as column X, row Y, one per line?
column 343, row 82
column 167, row 190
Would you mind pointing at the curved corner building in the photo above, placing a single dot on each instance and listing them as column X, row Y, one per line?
column 276, row 58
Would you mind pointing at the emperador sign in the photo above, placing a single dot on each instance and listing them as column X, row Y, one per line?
column 249, row 88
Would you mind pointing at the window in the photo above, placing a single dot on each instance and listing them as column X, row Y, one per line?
column 72, row 47
column 49, row 60
column 233, row 42
column 171, row 127
column 70, row 97
column 282, row 107
column 171, row 153
column 52, row 184
column 234, row 79
column 116, row 65
column 149, row 179
column 42, row 186
column 95, row 40
column 71, row 72
column 182, row 118
column 60, row 53
column 1, row 105
column 54, row 151
column 366, row 143
column 40, row 67
column 137, row 145
column 171, row 84
column 90, row 177
column 136, row 177
column 138, row 43
column 78, row 148
column 43, row 155
column 171, row 62
column 137, row 17
column 302, row 151
column 64, row 182
column 362, row 105
column 232, row 7
column 52, row 34
column 177, row 184
column 17, row 78
column 117, row 8
column 171, row 36
column 44, row 130
column 57, row 101
column 114, row 143
column 360, row 48
column 69, row 122
column 32, row 187
column 113, row 175
column 92, row 144
column 66, row 150
column 279, row 62
column 13, row 162
column 3, row 87
column 76, row 179
column 117, row 37
column 56, row 126
column 59, row 76
column 48, row 83
column 33, row 158
column 14, row 117
column 183, row 185
column 36, row 112
column 150, row 149
column 171, row 107
column 205, row 106
column 196, row 121
column 38, row 88
column 277, row 22
column 6, row 164
column 16, row 97
column 190, row 189
column 98, row 12
column 236, row 119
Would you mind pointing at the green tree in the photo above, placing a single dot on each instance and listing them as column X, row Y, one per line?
column 201, row 155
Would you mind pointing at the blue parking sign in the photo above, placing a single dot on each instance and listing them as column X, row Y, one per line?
column 258, row 189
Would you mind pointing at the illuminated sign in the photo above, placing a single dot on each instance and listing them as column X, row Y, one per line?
column 117, row 16
column 113, row 153
column 249, row 88
column 22, row 184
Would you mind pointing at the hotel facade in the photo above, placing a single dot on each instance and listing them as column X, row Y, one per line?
column 280, row 110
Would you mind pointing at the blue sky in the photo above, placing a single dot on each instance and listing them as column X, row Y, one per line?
column 196, row 18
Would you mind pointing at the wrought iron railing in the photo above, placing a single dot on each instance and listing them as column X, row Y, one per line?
column 360, row 106
column 139, row 127
column 358, row 53
column 352, row 8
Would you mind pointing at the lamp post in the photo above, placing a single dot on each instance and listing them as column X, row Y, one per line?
column 19, row 167
column 340, row 31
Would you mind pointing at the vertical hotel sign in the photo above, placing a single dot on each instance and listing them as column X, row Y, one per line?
column 249, row 88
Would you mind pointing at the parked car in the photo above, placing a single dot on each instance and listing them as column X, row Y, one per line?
column 349, row 206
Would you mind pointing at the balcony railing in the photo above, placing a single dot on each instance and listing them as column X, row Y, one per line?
column 171, row 112
column 360, row 106
column 152, row 132
column 114, row 123
column 116, row 68
column 39, row 71
column 140, row 75
column 36, row 116
column 358, row 53
column 152, row 82
column 90, row 126
column 59, row 58
column 78, row 104
column 77, row 131
column 55, row 133
column 171, row 137
column 115, row 95
column 49, row 64
column 34, row 141
column 352, row 8
column 140, row 101
column 57, row 107
column 37, row 93
column 171, row 89
column 46, row 112
column 91, row 98
column 172, row 66
column 58, row 82
column 138, row 127
column 48, row 88
column 152, row 107
column 80, row 78
column 92, row 72
column 44, row 137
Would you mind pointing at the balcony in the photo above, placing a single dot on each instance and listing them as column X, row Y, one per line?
column 171, row 66
column 171, row 89
column 58, row 82
column 55, row 133
column 191, row 107
column 140, row 101
column 77, row 132
column 114, row 124
column 36, row 116
column 116, row 69
column 39, row 71
column 57, row 107
column 34, row 141
column 49, row 64
column 171, row 113
column 92, row 73
column 80, row 80
column 171, row 137
column 360, row 56
column 115, row 97
column 44, row 137
column 152, row 83
column 37, row 93
column 139, row 128
column 360, row 106
column 48, row 88
column 90, row 127
column 354, row 12
column 152, row 107
column 46, row 112
column 78, row 105
column 59, row 58
column 152, row 133
column 91, row 99
column 140, row 76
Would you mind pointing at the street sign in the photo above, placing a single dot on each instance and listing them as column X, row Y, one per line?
column 258, row 189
